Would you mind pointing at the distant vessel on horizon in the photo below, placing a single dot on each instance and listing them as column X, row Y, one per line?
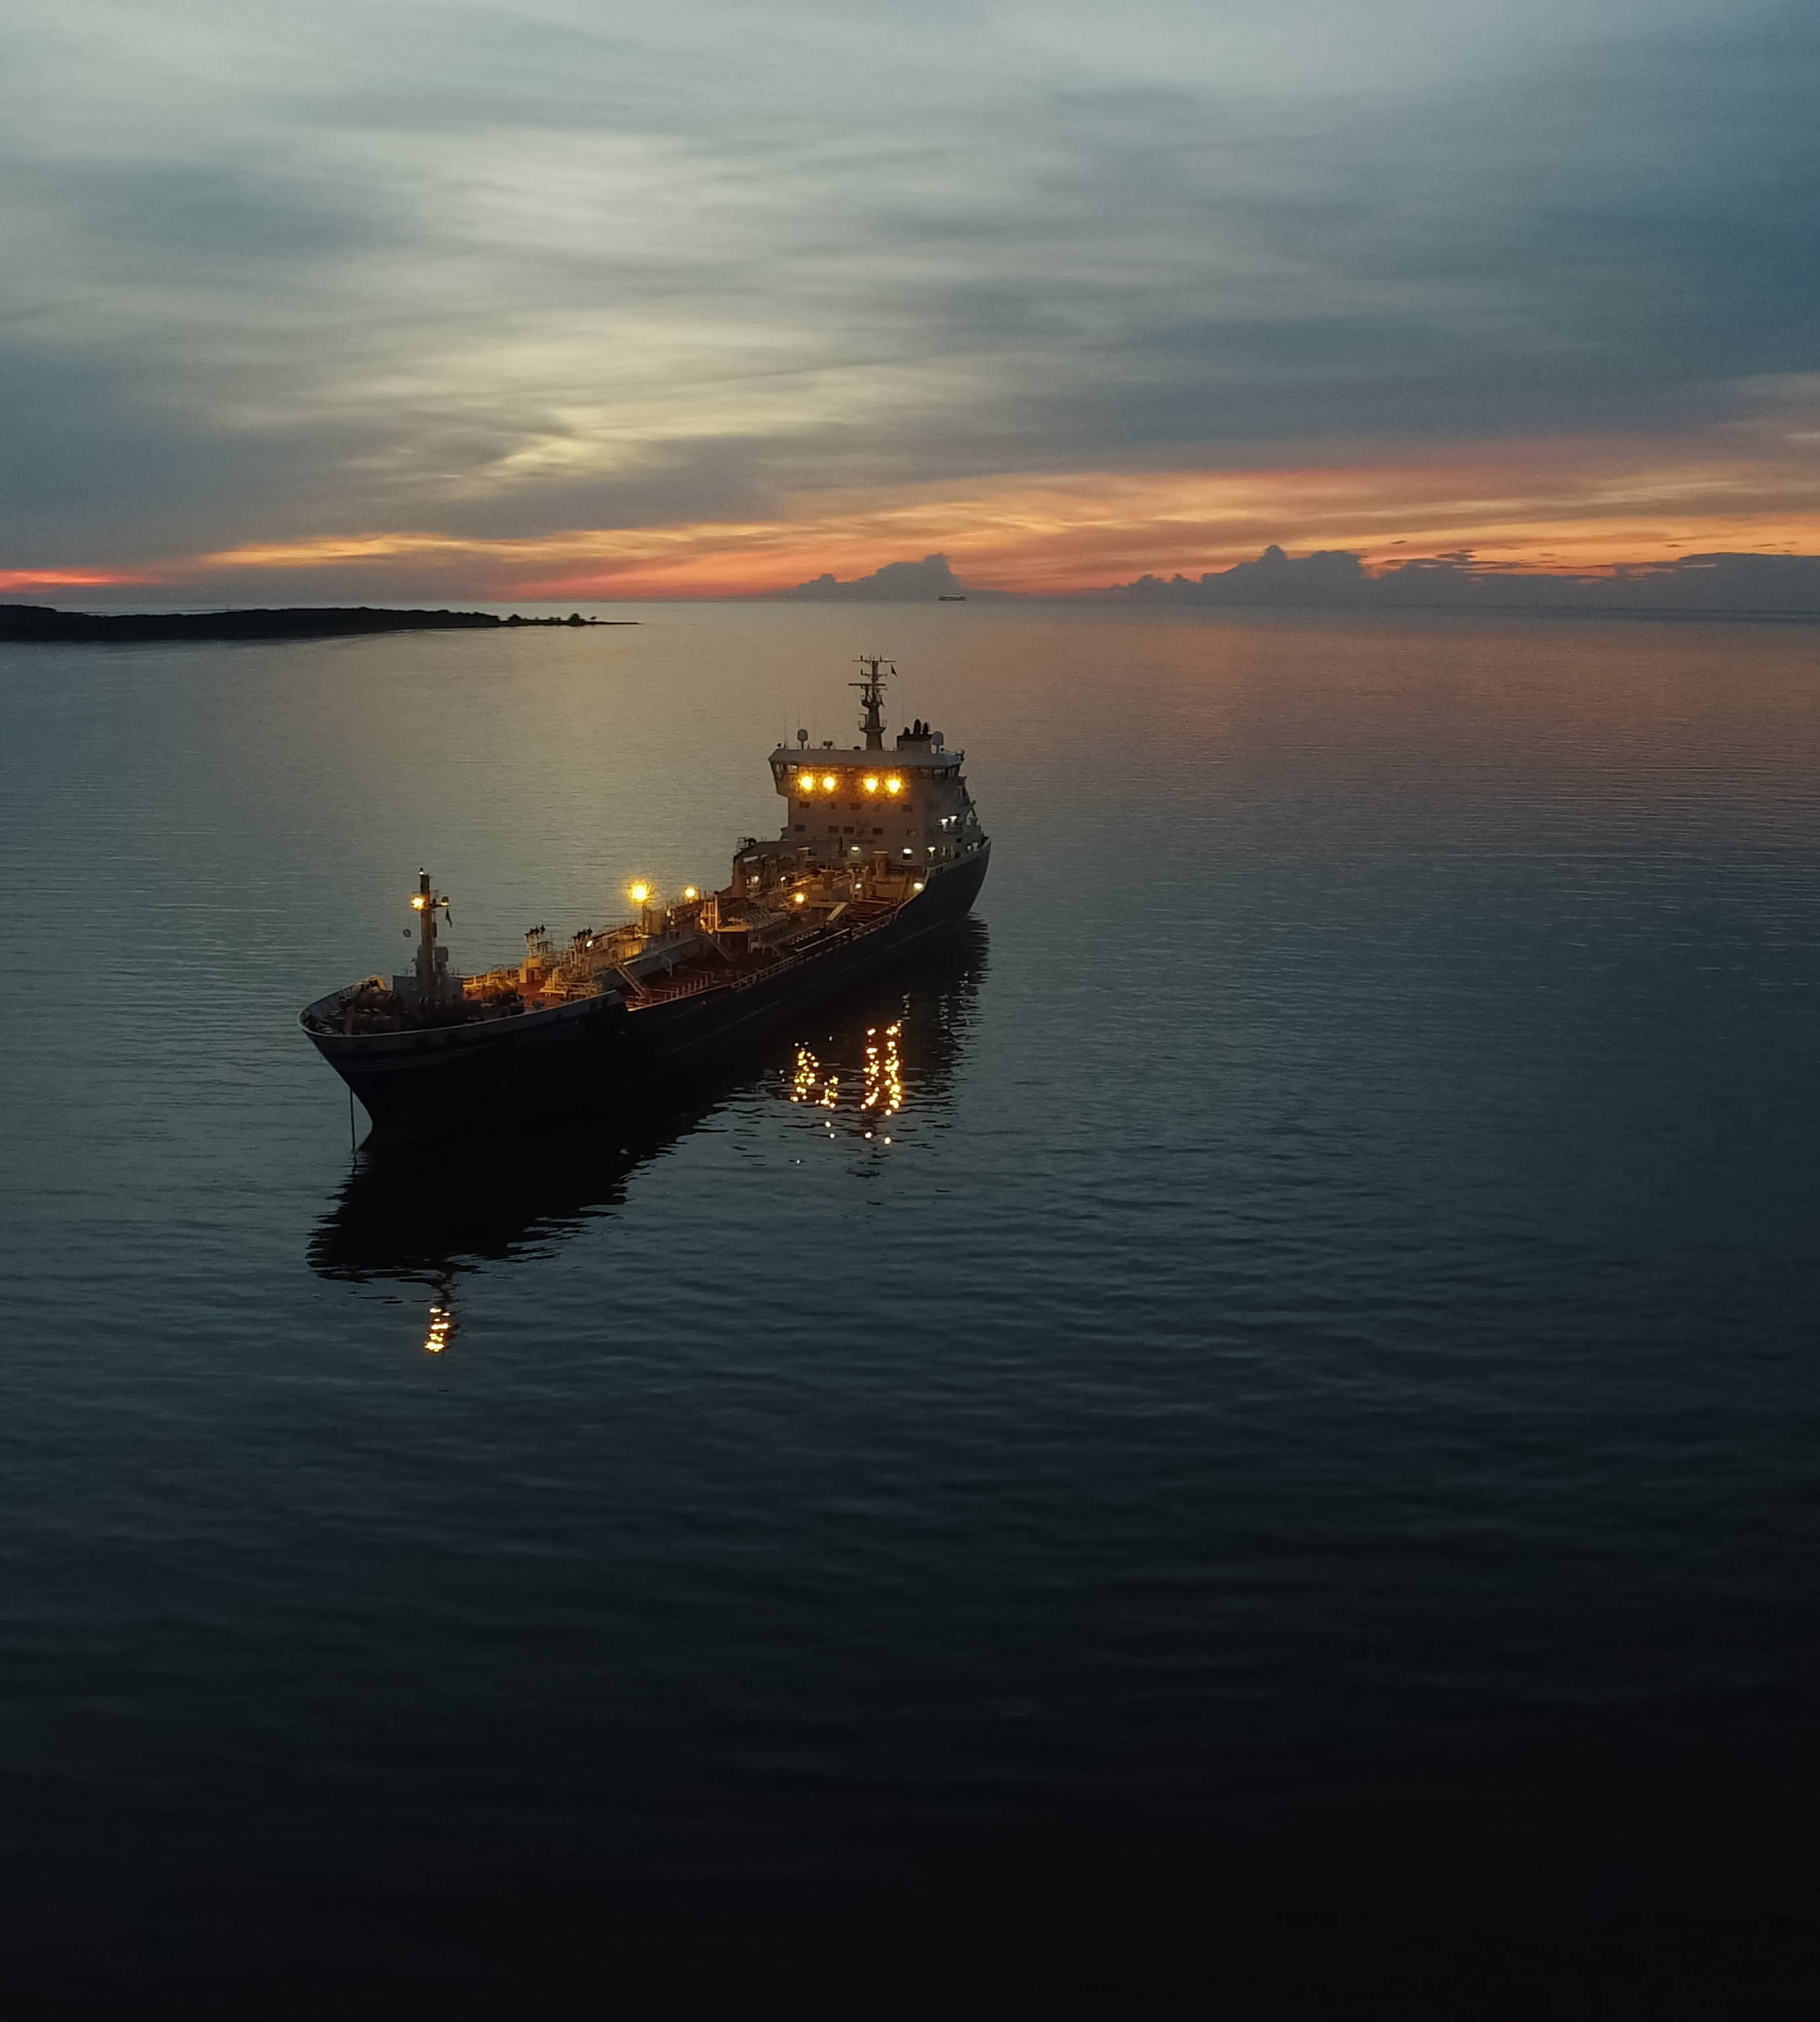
column 429, row 1052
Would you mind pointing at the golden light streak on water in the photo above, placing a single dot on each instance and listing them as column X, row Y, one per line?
column 885, row 1072
column 881, row 1091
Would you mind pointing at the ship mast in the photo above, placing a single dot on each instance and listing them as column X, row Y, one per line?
column 872, row 694
column 425, row 901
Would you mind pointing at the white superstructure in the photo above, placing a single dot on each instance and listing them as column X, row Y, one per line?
column 907, row 810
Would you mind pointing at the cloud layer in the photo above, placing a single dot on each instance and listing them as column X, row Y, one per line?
column 547, row 294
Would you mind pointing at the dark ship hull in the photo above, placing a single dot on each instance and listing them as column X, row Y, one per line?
column 426, row 1212
column 579, row 1055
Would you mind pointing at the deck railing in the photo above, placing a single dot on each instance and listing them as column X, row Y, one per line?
column 824, row 945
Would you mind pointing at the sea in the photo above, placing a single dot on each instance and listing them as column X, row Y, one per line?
column 1249, row 1421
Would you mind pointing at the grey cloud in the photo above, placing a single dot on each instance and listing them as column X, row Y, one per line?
column 197, row 221
column 897, row 582
column 713, row 478
column 353, row 291
column 1721, row 585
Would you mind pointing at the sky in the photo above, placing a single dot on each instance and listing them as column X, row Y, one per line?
column 555, row 300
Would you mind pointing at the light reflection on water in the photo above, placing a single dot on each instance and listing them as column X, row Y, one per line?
column 1336, row 1305
column 882, row 1076
column 441, row 1329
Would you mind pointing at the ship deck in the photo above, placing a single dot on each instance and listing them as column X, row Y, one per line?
column 723, row 960
column 718, row 970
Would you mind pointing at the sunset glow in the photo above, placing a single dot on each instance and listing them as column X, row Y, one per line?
column 67, row 578
column 1067, row 302
column 1548, row 506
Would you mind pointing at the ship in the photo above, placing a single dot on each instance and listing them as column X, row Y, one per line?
column 879, row 853
column 427, row 1213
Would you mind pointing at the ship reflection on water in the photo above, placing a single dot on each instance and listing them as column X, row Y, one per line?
column 859, row 1062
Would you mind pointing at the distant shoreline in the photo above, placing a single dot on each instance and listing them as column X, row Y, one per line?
column 42, row 624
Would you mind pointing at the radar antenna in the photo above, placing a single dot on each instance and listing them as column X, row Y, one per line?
column 872, row 695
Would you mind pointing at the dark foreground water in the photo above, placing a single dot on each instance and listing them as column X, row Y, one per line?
column 1289, row 1458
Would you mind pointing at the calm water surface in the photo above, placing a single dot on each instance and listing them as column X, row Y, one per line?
column 1331, row 1318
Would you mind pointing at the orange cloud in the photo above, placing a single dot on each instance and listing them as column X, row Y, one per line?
column 1577, row 505
column 63, row 579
